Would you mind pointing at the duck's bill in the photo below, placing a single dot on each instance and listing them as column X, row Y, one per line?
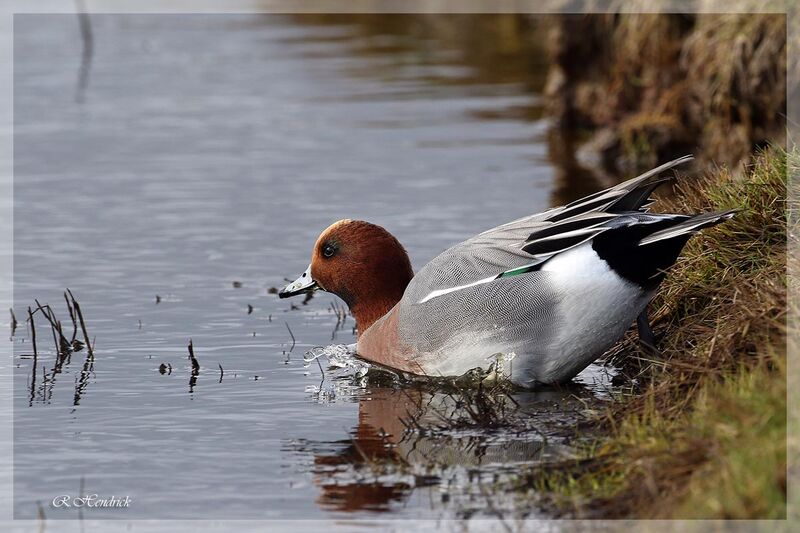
column 305, row 283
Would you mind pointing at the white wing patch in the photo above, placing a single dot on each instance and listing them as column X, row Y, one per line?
column 442, row 292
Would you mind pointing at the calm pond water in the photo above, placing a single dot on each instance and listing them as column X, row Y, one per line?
column 194, row 172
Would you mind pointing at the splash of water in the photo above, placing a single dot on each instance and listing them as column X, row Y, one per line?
column 344, row 375
column 342, row 356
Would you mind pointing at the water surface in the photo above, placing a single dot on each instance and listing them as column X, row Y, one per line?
column 193, row 173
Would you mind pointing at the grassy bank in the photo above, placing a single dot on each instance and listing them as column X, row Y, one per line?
column 702, row 434
column 648, row 87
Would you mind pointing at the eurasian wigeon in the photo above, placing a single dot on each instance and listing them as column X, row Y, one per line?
column 551, row 291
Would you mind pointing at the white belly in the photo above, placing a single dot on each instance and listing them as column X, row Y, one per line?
column 596, row 307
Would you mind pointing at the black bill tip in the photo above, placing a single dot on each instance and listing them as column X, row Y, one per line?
column 286, row 292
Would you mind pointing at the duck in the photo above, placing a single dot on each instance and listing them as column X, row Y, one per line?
column 536, row 300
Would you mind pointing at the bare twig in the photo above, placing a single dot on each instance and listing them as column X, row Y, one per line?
column 193, row 359
column 320, row 369
column 40, row 517
column 35, row 358
column 82, row 494
column 87, row 40
column 292, row 334
column 33, row 332
column 13, row 322
column 78, row 312
column 72, row 317
column 47, row 312
column 195, row 367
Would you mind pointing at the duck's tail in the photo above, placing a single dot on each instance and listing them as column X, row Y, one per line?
column 631, row 195
column 640, row 247
column 688, row 227
column 636, row 192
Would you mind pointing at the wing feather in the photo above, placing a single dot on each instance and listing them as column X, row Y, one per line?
column 523, row 245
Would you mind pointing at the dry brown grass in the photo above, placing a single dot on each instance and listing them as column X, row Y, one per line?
column 726, row 297
column 664, row 84
column 736, row 67
column 704, row 435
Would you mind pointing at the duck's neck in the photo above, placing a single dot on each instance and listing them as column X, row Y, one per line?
column 367, row 313
column 373, row 302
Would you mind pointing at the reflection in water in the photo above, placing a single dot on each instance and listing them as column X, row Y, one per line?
column 87, row 40
column 62, row 352
column 43, row 392
column 412, row 437
column 572, row 179
column 441, row 51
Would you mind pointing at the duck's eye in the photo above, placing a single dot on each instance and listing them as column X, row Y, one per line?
column 328, row 250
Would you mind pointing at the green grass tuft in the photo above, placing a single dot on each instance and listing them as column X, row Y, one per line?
column 704, row 435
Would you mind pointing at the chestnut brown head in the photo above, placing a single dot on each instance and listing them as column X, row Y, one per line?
column 361, row 263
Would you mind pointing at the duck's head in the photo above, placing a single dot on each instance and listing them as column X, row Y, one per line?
column 361, row 263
